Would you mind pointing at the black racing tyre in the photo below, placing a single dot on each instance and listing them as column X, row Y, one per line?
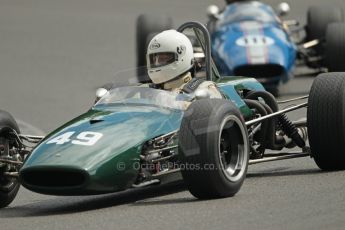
column 213, row 148
column 8, row 187
column 146, row 27
column 335, row 47
column 318, row 17
column 326, row 121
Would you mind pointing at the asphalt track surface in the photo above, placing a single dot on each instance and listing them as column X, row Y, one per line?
column 54, row 54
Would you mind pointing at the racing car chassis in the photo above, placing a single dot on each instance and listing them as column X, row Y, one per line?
column 155, row 148
column 167, row 143
column 161, row 150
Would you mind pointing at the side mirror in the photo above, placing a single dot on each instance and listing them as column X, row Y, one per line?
column 101, row 92
column 201, row 94
column 283, row 9
column 212, row 12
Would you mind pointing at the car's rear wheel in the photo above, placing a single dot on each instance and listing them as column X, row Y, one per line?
column 213, row 149
column 318, row 17
column 147, row 27
column 326, row 121
column 335, row 47
column 8, row 186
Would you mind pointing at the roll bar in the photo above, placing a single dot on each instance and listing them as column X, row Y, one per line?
column 206, row 46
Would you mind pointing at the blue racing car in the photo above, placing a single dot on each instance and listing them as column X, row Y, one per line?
column 249, row 38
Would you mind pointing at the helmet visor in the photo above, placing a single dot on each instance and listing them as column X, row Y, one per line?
column 161, row 59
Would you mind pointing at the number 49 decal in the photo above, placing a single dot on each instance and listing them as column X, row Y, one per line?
column 84, row 138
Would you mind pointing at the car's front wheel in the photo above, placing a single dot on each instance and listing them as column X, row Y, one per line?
column 9, row 186
column 213, row 148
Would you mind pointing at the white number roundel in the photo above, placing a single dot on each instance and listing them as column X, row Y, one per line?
column 254, row 40
column 86, row 138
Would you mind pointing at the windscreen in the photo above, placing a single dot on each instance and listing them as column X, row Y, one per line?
column 140, row 95
column 250, row 11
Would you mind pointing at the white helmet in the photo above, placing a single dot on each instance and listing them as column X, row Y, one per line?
column 169, row 54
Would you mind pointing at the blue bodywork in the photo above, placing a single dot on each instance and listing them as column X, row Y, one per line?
column 249, row 40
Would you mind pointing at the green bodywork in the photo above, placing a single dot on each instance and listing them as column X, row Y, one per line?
column 232, row 87
column 111, row 164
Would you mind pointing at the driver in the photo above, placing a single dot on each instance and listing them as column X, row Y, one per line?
column 171, row 65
